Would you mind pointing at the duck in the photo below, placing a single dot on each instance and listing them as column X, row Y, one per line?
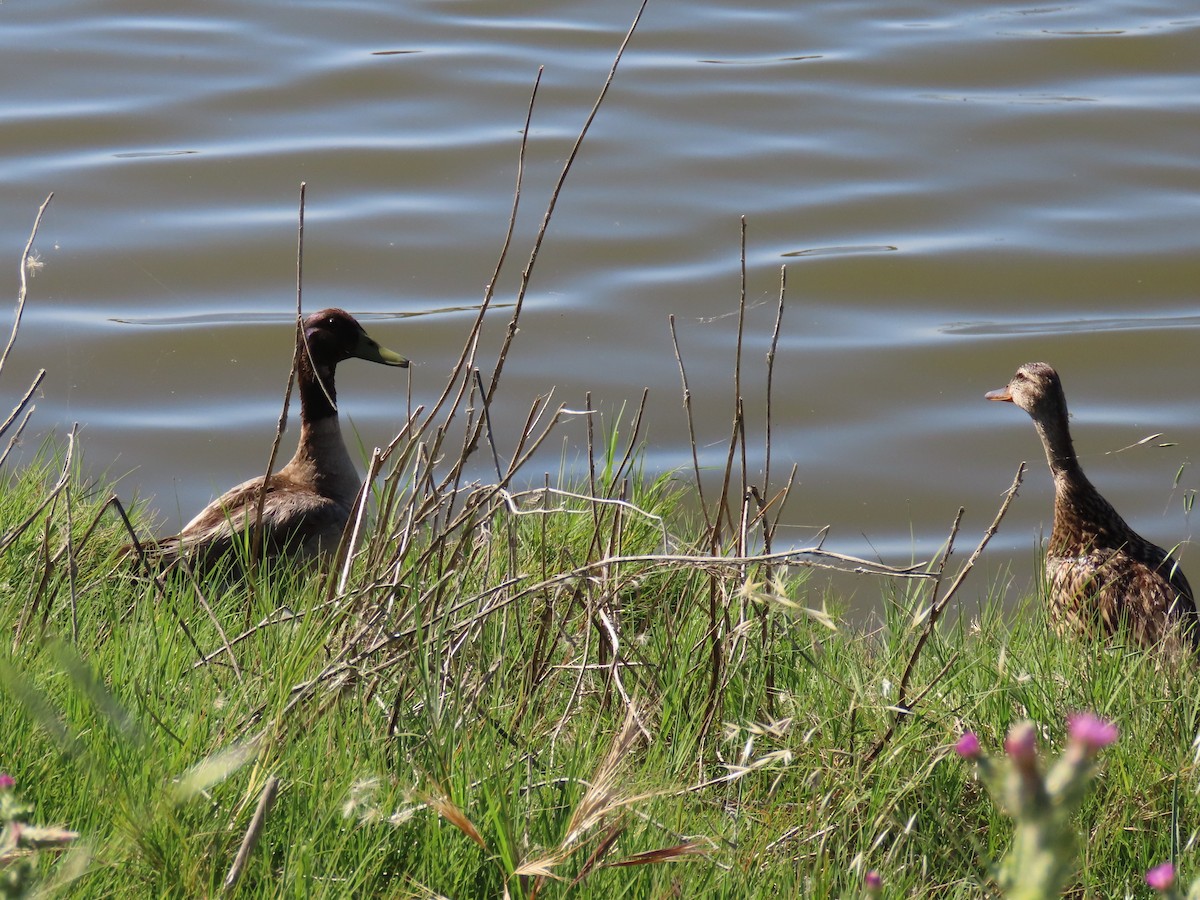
column 1103, row 578
column 307, row 502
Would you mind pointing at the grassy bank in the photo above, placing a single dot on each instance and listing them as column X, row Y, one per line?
column 509, row 687
column 541, row 695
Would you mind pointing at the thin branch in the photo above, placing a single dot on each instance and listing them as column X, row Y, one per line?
column 770, row 383
column 265, row 801
column 737, row 375
column 349, row 541
column 16, row 435
column 554, row 195
column 487, row 421
column 466, row 360
column 24, row 290
column 37, row 379
column 7, row 540
column 903, row 706
column 691, row 422
column 256, row 526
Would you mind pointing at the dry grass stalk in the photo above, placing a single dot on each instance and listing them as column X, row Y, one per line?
column 440, row 802
column 265, row 801
column 601, row 799
column 685, row 850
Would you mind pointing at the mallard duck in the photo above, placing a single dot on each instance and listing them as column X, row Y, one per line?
column 1102, row 575
column 308, row 501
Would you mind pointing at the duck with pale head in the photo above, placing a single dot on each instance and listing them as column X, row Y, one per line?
column 1103, row 578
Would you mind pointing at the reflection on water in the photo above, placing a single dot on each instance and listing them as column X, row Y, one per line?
column 954, row 189
column 758, row 62
column 841, row 251
column 1075, row 326
column 179, row 321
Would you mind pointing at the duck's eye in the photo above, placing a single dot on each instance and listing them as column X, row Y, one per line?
column 330, row 321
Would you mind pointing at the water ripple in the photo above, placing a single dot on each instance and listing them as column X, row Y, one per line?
column 1073, row 326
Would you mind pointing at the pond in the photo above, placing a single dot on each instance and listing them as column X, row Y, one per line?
column 953, row 190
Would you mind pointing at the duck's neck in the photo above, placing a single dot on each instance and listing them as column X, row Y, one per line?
column 1060, row 451
column 1080, row 512
column 321, row 459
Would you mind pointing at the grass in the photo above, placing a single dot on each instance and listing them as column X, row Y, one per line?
column 611, row 686
column 433, row 733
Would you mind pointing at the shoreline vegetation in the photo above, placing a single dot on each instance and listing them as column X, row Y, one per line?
column 515, row 685
column 539, row 703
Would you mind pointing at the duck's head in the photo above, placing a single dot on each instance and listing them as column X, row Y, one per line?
column 1035, row 388
column 333, row 335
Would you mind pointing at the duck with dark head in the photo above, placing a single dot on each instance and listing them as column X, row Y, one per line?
column 1103, row 577
column 308, row 502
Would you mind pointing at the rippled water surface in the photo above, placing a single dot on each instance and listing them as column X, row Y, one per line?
column 954, row 189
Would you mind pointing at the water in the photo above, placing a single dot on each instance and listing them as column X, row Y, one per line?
column 954, row 191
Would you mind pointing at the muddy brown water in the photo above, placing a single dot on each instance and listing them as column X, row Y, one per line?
column 953, row 189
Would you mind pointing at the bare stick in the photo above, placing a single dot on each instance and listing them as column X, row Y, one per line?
column 16, row 436
column 872, row 754
column 256, row 539
column 510, row 500
column 554, row 195
column 37, row 379
column 22, row 295
column 24, row 290
column 466, row 360
column 737, row 366
column 460, row 373
column 737, row 434
column 903, row 706
column 713, row 564
column 591, row 455
column 614, row 671
column 355, row 526
column 934, row 611
column 461, row 381
column 687, row 406
column 990, row 533
column 15, row 532
column 770, row 381
column 631, row 444
column 487, row 420
column 265, row 801
column 766, row 632
column 52, row 497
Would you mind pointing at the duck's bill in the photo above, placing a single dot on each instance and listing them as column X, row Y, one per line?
column 1001, row 394
column 369, row 350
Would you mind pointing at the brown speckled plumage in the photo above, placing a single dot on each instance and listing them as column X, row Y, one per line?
column 1102, row 575
column 309, row 500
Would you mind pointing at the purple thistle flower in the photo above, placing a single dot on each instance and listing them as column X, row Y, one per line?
column 1091, row 731
column 1021, row 743
column 968, row 746
column 6, row 782
column 874, row 880
column 1161, row 877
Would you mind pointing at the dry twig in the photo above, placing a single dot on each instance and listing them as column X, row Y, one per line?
column 904, row 706
column 265, row 801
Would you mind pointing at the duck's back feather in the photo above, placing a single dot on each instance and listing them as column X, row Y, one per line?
column 1108, row 591
column 296, row 521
